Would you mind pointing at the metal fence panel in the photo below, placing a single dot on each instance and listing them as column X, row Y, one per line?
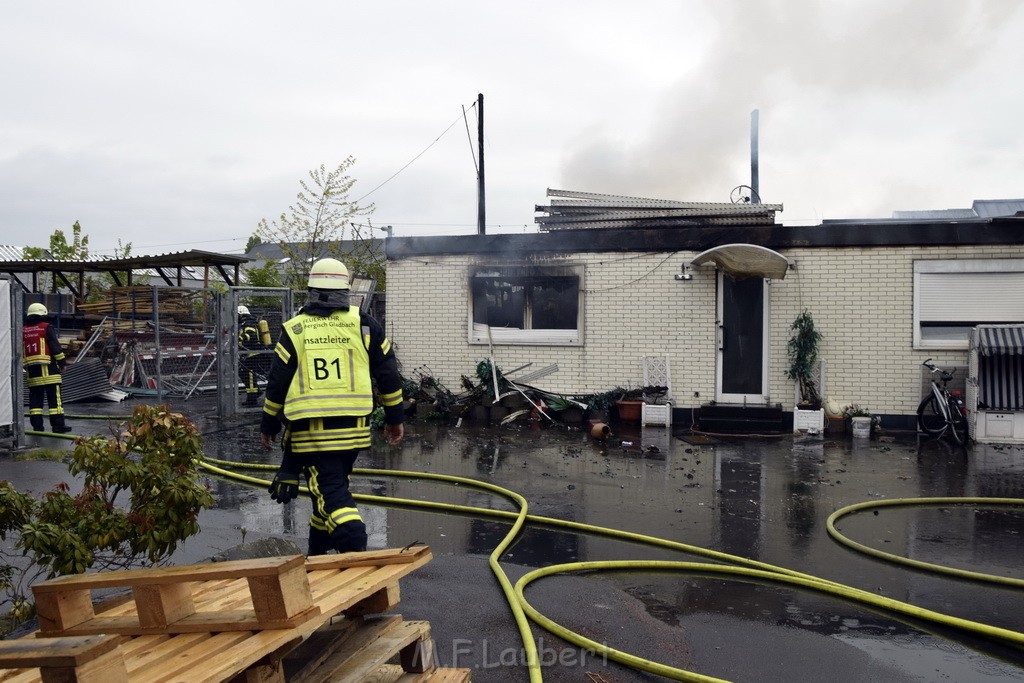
column 156, row 341
column 271, row 306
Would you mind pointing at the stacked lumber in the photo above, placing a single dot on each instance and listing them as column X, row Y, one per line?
column 176, row 303
column 231, row 621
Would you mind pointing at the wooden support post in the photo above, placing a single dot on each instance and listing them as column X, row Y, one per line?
column 381, row 601
column 60, row 611
column 418, row 656
column 161, row 604
column 279, row 597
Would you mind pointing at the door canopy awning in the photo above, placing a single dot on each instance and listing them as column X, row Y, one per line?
column 1001, row 341
column 744, row 260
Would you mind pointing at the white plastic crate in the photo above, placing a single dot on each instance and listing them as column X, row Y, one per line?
column 658, row 415
column 809, row 420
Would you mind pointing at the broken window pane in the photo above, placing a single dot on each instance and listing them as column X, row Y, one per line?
column 555, row 302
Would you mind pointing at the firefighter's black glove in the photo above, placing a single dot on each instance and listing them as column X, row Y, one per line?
column 285, row 486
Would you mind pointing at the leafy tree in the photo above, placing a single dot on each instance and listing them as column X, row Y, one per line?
column 365, row 258
column 77, row 250
column 61, row 250
column 315, row 225
column 254, row 241
column 265, row 275
column 99, row 285
column 151, row 462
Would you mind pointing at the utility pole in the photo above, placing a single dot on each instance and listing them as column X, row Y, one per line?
column 755, row 181
column 481, row 212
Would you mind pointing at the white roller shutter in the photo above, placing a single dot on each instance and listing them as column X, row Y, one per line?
column 971, row 297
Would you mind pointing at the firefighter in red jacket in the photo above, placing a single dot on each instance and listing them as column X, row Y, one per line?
column 43, row 359
column 321, row 388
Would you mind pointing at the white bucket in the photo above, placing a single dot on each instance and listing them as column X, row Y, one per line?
column 861, row 427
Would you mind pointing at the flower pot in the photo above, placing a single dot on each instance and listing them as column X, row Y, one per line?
column 835, row 425
column 861, row 427
column 600, row 431
column 629, row 411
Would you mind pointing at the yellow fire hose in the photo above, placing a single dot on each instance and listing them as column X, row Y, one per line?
column 738, row 567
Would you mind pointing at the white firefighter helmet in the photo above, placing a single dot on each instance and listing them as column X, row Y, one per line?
column 243, row 310
column 37, row 309
column 328, row 273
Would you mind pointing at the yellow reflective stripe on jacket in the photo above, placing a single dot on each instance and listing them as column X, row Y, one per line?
column 43, row 378
column 343, row 516
column 332, row 375
column 385, row 345
column 327, row 440
column 327, row 405
column 270, row 407
column 392, row 399
column 282, row 353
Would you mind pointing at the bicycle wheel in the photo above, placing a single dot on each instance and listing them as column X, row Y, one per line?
column 959, row 423
column 930, row 419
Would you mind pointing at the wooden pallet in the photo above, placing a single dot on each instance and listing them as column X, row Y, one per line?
column 230, row 621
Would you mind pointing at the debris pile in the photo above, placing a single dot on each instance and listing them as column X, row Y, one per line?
column 495, row 397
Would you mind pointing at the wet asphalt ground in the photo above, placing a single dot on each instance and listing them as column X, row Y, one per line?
column 765, row 498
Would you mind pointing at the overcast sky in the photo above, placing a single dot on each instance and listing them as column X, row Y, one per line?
column 178, row 126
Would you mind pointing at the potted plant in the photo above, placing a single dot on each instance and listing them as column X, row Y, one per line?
column 629, row 405
column 861, row 420
column 803, row 361
column 599, row 405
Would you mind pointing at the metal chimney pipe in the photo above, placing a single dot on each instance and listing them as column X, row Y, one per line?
column 754, row 180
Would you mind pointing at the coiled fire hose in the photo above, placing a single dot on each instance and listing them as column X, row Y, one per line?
column 737, row 567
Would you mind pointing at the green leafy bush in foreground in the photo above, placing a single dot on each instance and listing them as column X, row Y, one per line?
column 141, row 497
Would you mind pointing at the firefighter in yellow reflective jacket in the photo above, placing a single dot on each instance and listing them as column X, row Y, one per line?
column 43, row 359
column 320, row 388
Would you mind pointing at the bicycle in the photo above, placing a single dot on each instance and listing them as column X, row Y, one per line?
column 942, row 410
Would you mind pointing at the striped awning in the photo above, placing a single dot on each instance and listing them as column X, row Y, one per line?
column 1001, row 341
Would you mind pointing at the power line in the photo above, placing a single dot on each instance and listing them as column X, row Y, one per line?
column 412, row 160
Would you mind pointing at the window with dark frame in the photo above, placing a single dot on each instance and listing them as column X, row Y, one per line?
column 532, row 299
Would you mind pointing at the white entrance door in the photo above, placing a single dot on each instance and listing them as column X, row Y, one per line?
column 742, row 374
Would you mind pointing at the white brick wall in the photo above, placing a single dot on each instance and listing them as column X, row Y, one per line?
column 861, row 300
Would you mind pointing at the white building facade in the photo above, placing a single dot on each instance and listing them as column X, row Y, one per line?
column 885, row 296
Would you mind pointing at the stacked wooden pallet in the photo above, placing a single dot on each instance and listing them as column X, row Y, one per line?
column 230, row 621
column 175, row 303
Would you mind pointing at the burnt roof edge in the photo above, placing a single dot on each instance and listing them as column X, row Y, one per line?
column 874, row 233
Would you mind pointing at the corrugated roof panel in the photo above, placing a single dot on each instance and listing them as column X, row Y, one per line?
column 990, row 208
column 9, row 253
column 588, row 210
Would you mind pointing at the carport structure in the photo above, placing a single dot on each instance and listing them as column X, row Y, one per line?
column 169, row 267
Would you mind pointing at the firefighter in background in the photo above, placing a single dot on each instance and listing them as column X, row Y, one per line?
column 321, row 389
column 252, row 362
column 43, row 359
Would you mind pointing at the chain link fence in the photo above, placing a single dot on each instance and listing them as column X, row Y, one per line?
column 153, row 341
column 250, row 362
